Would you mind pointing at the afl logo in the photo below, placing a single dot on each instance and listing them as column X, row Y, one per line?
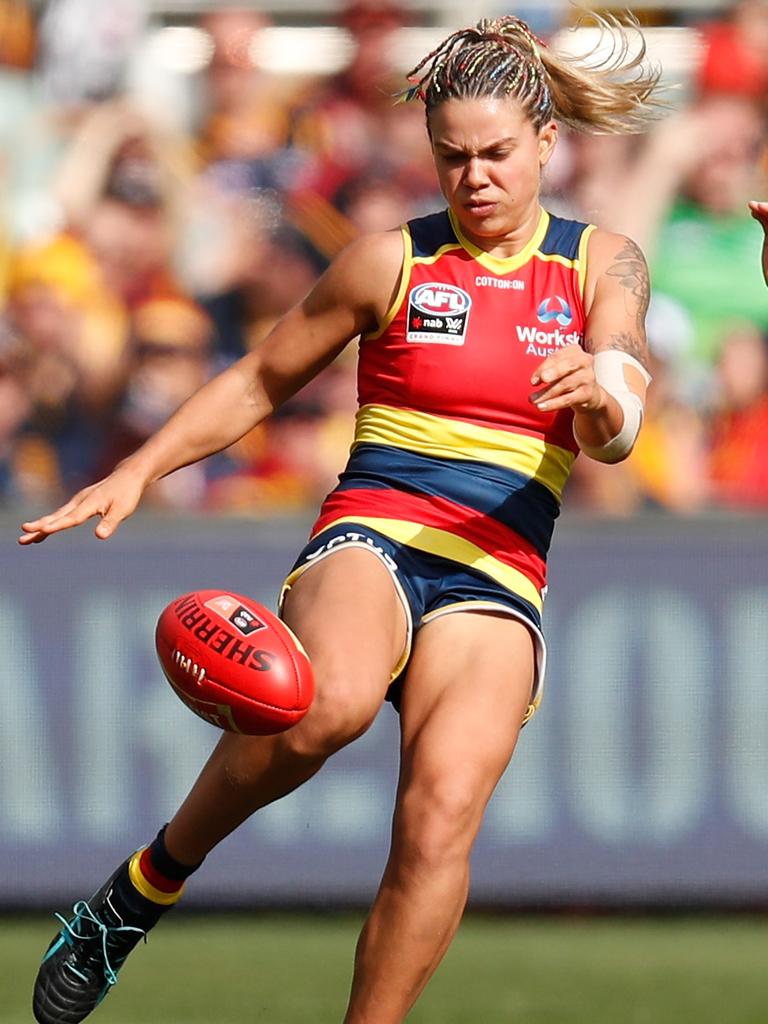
column 440, row 299
column 437, row 314
column 561, row 315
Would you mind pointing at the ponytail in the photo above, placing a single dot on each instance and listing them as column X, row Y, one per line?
column 502, row 57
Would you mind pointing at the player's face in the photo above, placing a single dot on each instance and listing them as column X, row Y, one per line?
column 489, row 158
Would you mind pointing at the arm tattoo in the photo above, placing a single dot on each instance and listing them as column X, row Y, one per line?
column 630, row 267
column 628, row 343
column 624, row 342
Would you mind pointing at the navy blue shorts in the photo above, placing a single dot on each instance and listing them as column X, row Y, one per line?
column 428, row 586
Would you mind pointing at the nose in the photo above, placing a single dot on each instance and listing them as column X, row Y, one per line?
column 474, row 173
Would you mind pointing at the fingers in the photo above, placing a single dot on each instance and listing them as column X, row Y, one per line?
column 108, row 525
column 759, row 211
column 569, row 381
column 37, row 530
column 562, row 362
column 574, row 392
column 82, row 507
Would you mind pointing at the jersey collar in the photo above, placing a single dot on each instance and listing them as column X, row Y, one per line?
column 502, row 265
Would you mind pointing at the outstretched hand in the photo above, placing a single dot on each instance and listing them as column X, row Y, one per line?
column 112, row 499
column 760, row 212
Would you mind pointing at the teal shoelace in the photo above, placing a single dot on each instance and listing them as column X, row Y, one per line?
column 107, row 934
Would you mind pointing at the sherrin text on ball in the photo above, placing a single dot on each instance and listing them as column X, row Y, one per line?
column 233, row 662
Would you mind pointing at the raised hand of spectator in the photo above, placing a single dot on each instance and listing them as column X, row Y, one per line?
column 706, row 152
column 669, row 154
column 760, row 212
column 84, row 171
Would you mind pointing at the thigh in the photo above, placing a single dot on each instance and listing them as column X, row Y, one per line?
column 466, row 695
column 347, row 614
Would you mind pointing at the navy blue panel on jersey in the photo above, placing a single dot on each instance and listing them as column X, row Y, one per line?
column 428, row 234
column 562, row 238
column 511, row 498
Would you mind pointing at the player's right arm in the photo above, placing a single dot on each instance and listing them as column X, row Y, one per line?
column 760, row 212
column 350, row 298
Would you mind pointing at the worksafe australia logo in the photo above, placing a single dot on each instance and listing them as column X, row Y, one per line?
column 560, row 312
column 438, row 314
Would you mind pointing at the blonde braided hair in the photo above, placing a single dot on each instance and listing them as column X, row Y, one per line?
column 502, row 57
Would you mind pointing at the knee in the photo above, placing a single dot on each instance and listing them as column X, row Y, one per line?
column 342, row 710
column 437, row 823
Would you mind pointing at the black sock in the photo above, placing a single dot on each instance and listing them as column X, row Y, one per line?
column 150, row 883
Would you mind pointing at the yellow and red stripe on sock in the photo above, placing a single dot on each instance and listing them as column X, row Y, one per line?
column 148, row 881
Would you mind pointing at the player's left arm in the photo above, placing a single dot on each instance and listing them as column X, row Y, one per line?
column 605, row 381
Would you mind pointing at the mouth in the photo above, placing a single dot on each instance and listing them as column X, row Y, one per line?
column 479, row 208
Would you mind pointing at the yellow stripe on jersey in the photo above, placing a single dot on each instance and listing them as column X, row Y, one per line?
column 405, row 277
column 448, row 247
column 555, row 257
column 445, row 438
column 503, row 265
column 147, row 890
column 582, row 260
column 447, row 545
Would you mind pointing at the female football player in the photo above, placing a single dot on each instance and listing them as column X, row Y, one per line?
column 497, row 342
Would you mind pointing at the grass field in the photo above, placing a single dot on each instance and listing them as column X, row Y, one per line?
column 295, row 970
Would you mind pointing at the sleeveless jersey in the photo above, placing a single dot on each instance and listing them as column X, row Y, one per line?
column 450, row 456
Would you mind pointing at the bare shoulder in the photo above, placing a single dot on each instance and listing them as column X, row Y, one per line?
column 609, row 251
column 368, row 271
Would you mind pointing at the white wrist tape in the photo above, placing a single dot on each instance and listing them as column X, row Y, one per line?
column 609, row 374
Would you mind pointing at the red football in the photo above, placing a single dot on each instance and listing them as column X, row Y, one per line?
column 233, row 662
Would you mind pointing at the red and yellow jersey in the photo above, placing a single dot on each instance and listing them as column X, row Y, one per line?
column 450, row 456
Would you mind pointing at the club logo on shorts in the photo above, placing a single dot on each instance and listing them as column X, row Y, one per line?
column 562, row 315
column 438, row 314
column 244, row 620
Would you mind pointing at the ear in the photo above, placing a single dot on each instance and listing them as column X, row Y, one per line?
column 547, row 142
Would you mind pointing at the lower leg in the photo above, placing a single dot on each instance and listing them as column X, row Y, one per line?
column 468, row 688
column 411, row 924
column 243, row 774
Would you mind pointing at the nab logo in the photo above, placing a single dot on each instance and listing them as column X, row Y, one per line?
column 437, row 314
column 440, row 300
column 562, row 316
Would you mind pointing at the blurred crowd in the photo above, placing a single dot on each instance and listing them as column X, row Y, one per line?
column 154, row 225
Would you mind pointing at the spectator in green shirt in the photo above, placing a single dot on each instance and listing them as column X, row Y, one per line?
column 684, row 201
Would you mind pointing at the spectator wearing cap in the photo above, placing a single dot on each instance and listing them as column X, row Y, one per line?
column 70, row 329
column 169, row 357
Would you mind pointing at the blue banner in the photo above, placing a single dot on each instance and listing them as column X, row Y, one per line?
column 643, row 777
